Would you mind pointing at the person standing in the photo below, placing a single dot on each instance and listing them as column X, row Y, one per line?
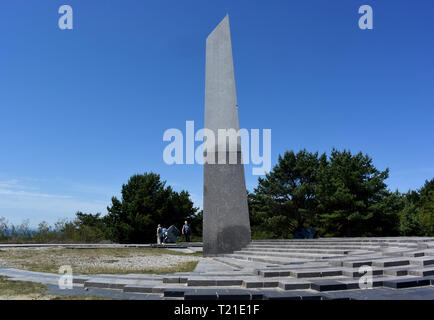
column 186, row 231
column 159, row 234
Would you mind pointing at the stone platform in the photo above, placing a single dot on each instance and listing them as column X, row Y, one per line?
column 403, row 268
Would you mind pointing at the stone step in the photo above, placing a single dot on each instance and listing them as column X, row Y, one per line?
column 355, row 273
column 291, row 295
column 175, row 280
column 353, row 284
column 328, row 285
column 422, row 261
column 260, row 284
column 294, row 284
column 354, row 239
column 323, row 246
column 391, row 262
column 265, row 259
column 414, row 253
column 80, row 279
column 292, row 250
column 398, row 272
column 137, row 288
column 287, row 255
column 222, row 294
column 339, row 245
column 422, row 272
column 395, row 252
column 234, row 263
column 314, row 247
column 274, row 273
column 115, row 283
column 214, row 281
column 357, row 263
column 407, row 283
column 314, row 273
column 271, row 271
column 357, row 260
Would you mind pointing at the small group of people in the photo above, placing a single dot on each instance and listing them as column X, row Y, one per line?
column 162, row 233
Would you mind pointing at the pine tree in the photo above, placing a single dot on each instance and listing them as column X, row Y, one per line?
column 146, row 202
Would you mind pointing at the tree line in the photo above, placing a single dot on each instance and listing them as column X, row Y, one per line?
column 340, row 195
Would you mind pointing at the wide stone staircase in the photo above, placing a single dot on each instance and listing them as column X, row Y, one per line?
column 301, row 269
column 398, row 268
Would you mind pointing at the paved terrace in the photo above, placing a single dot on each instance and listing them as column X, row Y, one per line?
column 403, row 268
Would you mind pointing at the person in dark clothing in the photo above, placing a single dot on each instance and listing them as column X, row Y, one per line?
column 186, row 231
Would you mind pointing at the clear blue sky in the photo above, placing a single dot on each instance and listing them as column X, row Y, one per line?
column 82, row 110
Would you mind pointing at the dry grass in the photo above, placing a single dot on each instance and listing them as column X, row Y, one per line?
column 23, row 290
column 94, row 261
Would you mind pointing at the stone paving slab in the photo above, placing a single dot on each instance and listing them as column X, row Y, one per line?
column 240, row 264
column 210, row 265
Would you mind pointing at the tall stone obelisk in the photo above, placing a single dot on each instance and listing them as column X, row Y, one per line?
column 226, row 225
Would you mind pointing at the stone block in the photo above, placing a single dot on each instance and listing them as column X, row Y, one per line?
column 357, row 264
column 306, row 274
column 331, row 273
column 294, row 285
column 396, row 272
column 422, row 272
column 270, row 284
column 393, row 262
column 422, row 261
column 138, row 289
column 252, row 284
column 80, row 280
column 328, row 285
column 201, row 282
column 171, row 280
column 354, row 273
column 229, row 282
